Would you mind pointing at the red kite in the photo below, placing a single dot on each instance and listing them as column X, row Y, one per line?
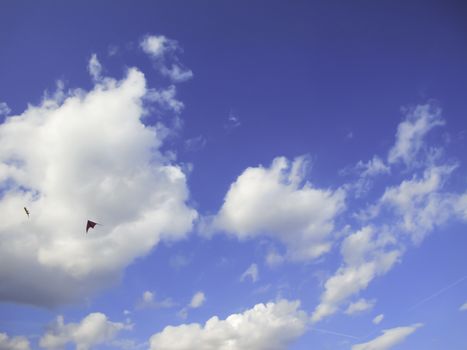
column 27, row 212
column 90, row 224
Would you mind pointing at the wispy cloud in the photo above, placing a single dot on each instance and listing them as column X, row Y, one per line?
column 438, row 293
column 389, row 338
column 251, row 272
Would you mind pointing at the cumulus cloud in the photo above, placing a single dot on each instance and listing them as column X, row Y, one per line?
column 359, row 306
column 251, row 272
column 13, row 343
column 366, row 255
column 389, row 338
column 271, row 326
column 4, row 109
column 162, row 50
column 94, row 329
column 410, row 133
column 85, row 156
column 276, row 202
column 378, row 319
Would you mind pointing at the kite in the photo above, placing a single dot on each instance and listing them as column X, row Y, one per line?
column 90, row 224
column 27, row 212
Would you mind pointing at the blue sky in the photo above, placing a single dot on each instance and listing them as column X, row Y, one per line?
column 268, row 175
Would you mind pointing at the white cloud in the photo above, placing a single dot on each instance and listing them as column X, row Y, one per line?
column 359, row 306
column 95, row 68
column 463, row 307
column 264, row 327
column 94, row 329
column 366, row 256
column 13, row 343
column 374, row 167
column 198, row 300
column 275, row 202
column 195, row 144
column 148, row 300
column 389, row 338
column 165, row 98
column 274, row 259
column 157, row 45
column 148, row 297
column 420, row 202
column 4, row 109
column 161, row 49
column 367, row 171
column 177, row 73
column 461, row 206
column 86, row 156
column 251, row 272
column 410, row 133
column 378, row 319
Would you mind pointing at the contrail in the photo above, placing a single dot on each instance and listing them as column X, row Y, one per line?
column 441, row 291
column 334, row 333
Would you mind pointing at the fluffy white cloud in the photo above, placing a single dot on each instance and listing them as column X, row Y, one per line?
column 360, row 305
column 85, row 156
column 94, row 329
column 410, row 133
column 198, row 299
column 4, row 109
column 251, row 272
column 275, row 202
column 161, row 49
column 264, row 327
column 378, row 319
column 13, row 343
column 389, row 338
column 366, row 256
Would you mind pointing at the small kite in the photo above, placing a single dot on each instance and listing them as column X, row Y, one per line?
column 27, row 212
column 90, row 224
